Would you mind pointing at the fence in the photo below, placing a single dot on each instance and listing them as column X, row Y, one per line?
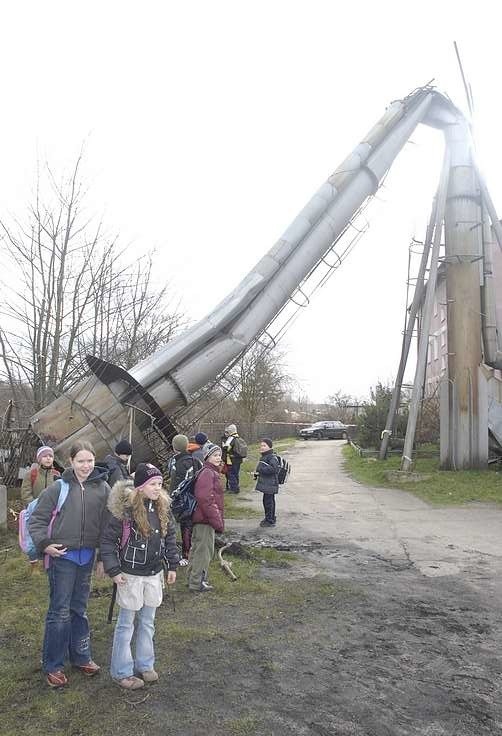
column 17, row 449
column 253, row 431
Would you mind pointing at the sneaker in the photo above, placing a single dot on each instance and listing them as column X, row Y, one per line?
column 183, row 562
column 205, row 587
column 130, row 683
column 265, row 522
column 56, row 679
column 90, row 669
column 149, row 676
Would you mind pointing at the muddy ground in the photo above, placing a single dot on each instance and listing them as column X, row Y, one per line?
column 395, row 634
column 387, row 623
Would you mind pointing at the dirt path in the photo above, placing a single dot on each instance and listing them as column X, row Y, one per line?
column 416, row 649
column 385, row 623
column 322, row 505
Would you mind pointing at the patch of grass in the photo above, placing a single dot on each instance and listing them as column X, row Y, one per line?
column 441, row 487
column 231, row 618
column 242, row 505
column 245, row 726
column 273, row 557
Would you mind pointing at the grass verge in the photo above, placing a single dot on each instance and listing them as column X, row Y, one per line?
column 439, row 487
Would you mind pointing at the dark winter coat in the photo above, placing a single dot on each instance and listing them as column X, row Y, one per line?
column 179, row 466
column 209, row 495
column 268, row 469
column 198, row 451
column 80, row 520
column 140, row 555
column 117, row 469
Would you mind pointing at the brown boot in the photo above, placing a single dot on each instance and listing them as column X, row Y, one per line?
column 150, row 676
column 130, row 683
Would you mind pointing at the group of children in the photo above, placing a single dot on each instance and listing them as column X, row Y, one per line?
column 135, row 533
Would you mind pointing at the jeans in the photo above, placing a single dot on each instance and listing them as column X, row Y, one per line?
column 122, row 664
column 66, row 624
column 233, row 475
column 269, row 507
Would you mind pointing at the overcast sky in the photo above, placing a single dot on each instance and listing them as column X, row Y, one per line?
column 209, row 125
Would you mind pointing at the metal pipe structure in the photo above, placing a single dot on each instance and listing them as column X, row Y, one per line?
column 99, row 408
column 406, row 461
column 488, row 305
column 408, row 334
column 467, row 447
column 96, row 408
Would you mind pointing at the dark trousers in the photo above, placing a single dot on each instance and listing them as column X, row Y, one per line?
column 186, row 537
column 233, row 475
column 269, row 507
column 66, row 624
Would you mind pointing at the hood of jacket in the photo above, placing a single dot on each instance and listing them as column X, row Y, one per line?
column 119, row 500
column 98, row 473
column 112, row 461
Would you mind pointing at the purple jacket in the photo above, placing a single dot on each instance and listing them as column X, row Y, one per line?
column 209, row 495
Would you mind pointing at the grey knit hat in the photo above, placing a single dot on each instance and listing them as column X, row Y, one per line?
column 210, row 450
column 231, row 429
column 180, row 443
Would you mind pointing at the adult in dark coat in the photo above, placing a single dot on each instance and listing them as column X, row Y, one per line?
column 267, row 480
column 207, row 519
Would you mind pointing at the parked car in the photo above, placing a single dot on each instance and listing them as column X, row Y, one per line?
column 324, row 430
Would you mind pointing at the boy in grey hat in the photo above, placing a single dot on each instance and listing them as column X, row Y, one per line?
column 179, row 466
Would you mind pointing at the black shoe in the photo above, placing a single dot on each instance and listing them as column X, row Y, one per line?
column 265, row 522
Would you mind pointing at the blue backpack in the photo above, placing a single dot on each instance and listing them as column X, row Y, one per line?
column 25, row 541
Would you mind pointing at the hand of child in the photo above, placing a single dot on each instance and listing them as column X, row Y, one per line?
column 171, row 577
column 100, row 570
column 55, row 550
column 119, row 579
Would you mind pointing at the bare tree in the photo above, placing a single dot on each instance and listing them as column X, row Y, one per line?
column 69, row 292
column 344, row 405
column 131, row 318
column 262, row 382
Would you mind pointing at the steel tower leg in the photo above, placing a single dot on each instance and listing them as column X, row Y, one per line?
column 466, row 445
column 423, row 345
column 408, row 334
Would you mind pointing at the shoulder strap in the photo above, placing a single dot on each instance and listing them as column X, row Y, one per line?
column 126, row 532
column 63, row 493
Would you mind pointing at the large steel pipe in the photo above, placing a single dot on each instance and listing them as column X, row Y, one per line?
column 188, row 362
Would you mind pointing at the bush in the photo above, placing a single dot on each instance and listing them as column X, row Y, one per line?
column 372, row 421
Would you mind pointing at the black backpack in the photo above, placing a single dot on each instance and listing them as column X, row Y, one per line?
column 284, row 470
column 183, row 501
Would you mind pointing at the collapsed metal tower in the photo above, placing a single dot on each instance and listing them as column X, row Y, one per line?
column 98, row 408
